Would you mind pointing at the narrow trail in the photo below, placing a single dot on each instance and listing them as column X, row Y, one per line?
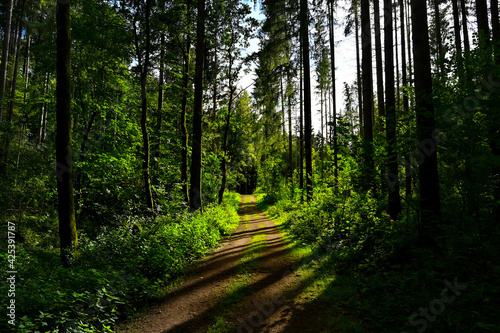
column 244, row 286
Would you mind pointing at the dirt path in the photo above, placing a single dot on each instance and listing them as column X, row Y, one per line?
column 238, row 288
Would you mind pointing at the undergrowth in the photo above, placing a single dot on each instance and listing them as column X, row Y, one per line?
column 114, row 273
column 382, row 277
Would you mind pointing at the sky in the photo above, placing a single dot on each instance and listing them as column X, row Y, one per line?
column 345, row 57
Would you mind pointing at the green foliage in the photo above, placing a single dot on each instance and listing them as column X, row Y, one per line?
column 114, row 273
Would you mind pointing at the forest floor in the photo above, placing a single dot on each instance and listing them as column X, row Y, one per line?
column 251, row 283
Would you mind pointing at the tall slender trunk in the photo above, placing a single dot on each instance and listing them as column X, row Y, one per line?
column 304, row 28
column 290, row 148
column 144, row 67
column 185, row 86
column 439, row 38
column 390, row 117
column 301, row 121
column 5, row 53
column 463, row 7
column 159, row 111
column 322, row 142
column 458, row 39
column 64, row 164
column 378, row 56
column 195, row 195
column 406, row 102
column 334, row 97
column 482, row 22
column 367, row 92
column 398, row 89
column 430, row 205
column 358, row 72
column 10, row 113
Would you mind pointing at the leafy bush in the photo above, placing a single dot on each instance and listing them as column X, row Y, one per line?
column 113, row 273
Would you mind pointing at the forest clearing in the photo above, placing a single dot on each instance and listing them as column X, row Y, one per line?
column 250, row 166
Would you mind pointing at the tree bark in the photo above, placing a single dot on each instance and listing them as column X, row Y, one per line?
column 304, row 28
column 465, row 28
column 195, row 195
column 458, row 38
column 439, row 38
column 390, row 117
column 334, row 97
column 10, row 113
column 430, row 205
column 64, row 165
column 144, row 67
column 406, row 102
column 366, row 63
column 358, row 73
column 482, row 23
column 378, row 57
column 184, row 131
column 5, row 54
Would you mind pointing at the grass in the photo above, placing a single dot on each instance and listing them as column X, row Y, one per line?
column 239, row 289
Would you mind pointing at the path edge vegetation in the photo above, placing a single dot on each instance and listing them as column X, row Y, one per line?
column 113, row 276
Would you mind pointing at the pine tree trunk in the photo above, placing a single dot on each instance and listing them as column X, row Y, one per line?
column 304, row 28
column 458, row 39
column 195, row 195
column 439, row 38
column 430, row 206
column 367, row 92
column 5, row 54
column 301, row 120
column 64, row 165
column 159, row 111
column 184, row 131
column 406, row 102
column 378, row 56
column 463, row 7
column 146, row 178
column 390, row 117
column 482, row 22
column 334, row 97
column 358, row 72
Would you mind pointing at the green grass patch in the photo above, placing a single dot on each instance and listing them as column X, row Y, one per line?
column 239, row 288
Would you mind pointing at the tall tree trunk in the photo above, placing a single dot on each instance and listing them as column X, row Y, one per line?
column 463, row 7
column 5, row 53
column 225, row 146
column 358, row 72
column 390, row 117
column 64, row 165
column 290, row 146
column 495, row 24
column 439, row 38
column 458, row 39
column 301, row 120
column 304, row 28
column 334, row 97
column 10, row 113
column 482, row 22
column 406, row 102
column 184, row 131
column 159, row 111
column 378, row 56
column 195, row 195
column 144, row 68
column 367, row 92
column 398, row 90
column 495, row 28
column 430, row 205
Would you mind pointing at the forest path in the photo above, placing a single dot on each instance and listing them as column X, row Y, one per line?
column 246, row 285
